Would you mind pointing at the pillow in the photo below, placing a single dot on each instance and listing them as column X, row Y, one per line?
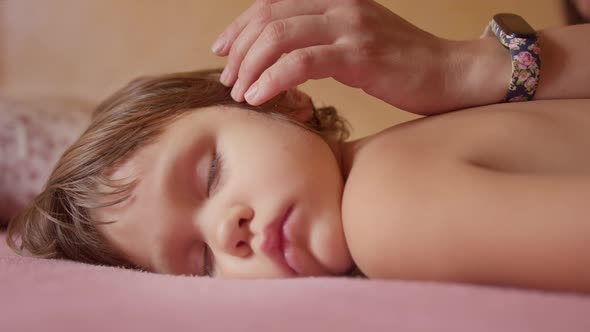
column 33, row 135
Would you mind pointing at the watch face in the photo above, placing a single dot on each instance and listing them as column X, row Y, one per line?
column 515, row 25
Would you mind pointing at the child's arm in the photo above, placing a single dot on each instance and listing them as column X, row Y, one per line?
column 451, row 221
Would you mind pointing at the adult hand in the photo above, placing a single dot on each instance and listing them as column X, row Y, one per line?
column 357, row 42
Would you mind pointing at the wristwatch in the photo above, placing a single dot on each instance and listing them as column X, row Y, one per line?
column 515, row 34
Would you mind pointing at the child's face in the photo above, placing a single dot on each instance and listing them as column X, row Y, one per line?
column 267, row 167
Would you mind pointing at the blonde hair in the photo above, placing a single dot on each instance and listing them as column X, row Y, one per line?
column 58, row 224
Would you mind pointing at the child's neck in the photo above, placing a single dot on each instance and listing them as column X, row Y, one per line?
column 345, row 153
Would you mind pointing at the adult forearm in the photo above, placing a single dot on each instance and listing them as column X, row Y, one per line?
column 364, row 45
column 479, row 71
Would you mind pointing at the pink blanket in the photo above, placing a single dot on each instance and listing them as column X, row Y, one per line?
column 42, row 295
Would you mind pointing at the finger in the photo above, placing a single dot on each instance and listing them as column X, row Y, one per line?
column 223, row 43
column 281, row 36
column 314, row 62
column 264, row 16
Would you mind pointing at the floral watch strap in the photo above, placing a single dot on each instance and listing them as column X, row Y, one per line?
column 526, row 64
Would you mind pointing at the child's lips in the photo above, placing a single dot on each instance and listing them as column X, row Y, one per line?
column 274, row 243
column 287, row 248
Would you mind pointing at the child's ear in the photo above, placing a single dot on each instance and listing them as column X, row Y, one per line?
column 300, row 104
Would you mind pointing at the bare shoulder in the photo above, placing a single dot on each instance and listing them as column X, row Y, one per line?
column 473, row 197
column 388, row 174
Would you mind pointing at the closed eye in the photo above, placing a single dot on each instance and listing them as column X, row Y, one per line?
column 207, row 261
column 214, row 173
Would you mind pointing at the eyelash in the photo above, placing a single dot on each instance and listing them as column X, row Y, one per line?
column 214, row 172
column 212, row 183
column 207, row 263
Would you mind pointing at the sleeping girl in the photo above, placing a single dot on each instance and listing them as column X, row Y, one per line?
column 176, row 174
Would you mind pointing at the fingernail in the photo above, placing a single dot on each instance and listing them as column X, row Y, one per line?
column 218, row 46
column 234, row 91
column 224, row 78
column 251, row 93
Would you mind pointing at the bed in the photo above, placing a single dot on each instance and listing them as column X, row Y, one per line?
column 45, row 99
column 43, row 295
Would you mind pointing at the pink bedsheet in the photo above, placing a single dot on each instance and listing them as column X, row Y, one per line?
column 42, row 295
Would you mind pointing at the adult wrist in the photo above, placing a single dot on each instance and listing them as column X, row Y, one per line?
column 440, row 80
column 479, row 72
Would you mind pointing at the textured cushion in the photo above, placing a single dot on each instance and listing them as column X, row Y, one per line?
column 33, row 135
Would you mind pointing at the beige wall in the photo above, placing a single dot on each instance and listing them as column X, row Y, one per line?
column 88, row 48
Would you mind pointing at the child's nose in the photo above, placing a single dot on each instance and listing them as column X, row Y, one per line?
column 232, row 233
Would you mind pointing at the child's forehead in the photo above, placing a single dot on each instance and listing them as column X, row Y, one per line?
column 130, row 171
column 126, row 169
column 134, row 164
